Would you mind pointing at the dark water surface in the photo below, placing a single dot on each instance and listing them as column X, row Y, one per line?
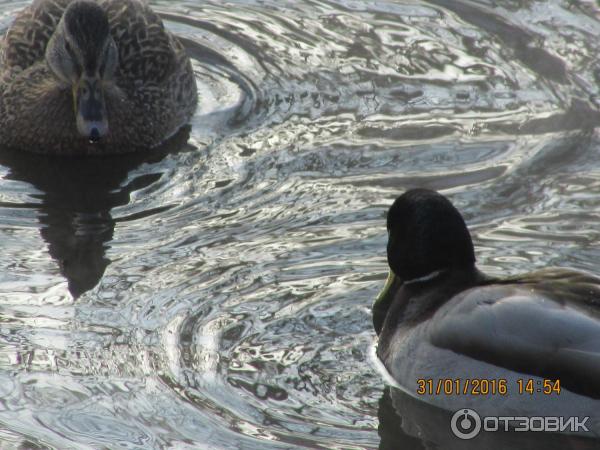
column 217, row 294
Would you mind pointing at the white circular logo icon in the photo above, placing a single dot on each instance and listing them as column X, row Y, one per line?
column 465, row 424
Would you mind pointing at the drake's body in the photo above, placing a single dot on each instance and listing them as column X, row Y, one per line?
column 446, row 320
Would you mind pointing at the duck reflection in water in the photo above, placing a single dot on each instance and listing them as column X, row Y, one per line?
column 76, row 198
column 406, row 422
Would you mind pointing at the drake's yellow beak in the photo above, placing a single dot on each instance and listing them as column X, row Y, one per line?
column 384, row 300
column 388, row 284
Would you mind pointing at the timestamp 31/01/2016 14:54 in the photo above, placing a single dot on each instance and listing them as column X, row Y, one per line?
column 484, row 386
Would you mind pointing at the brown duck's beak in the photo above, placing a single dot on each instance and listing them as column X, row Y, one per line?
column 90, row 108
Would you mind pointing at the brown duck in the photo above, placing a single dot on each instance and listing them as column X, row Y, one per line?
column 83, row 77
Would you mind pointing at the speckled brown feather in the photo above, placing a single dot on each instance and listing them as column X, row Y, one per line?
column 26, row 39
column 153, row 95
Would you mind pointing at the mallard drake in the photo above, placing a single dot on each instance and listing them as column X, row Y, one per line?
column 85, row 77
column 440, row 318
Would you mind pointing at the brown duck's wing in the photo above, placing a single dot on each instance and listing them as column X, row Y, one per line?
column 550, row 329
column 26, row 39
column 147, row 51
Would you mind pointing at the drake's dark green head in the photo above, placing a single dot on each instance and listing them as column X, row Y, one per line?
column 426, row 234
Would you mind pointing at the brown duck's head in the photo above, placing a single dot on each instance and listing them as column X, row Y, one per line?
column 83, row 55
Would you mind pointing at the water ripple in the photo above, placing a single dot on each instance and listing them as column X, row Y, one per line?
column 217, row 292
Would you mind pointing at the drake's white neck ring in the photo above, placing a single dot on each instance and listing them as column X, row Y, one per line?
column 428, row 277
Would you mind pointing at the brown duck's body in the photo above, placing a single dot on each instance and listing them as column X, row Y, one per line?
column 151, row 94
